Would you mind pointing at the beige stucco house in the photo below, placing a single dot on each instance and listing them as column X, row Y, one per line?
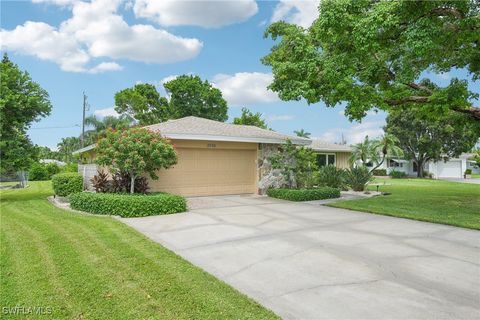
column 214, row 158
column 331, row 153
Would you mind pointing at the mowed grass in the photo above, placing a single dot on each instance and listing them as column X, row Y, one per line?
column 89, row 267
column 437, row 201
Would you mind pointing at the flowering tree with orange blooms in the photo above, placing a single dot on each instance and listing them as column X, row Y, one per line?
column 135, row 151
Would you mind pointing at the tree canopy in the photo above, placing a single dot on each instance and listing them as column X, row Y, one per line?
column 251, row 119
column 22, row 101
column 134, row 152
column 380, row 54
column 302, row 133
column 143, row 103
column 188, row 96
column 423, row 139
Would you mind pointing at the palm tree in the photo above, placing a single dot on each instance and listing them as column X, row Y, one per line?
column 302, row 133
column 364, row 152
column 388, row 146
column 100, row 125
column 67, row 146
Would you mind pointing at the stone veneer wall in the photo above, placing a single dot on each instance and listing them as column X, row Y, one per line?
column 268, row 177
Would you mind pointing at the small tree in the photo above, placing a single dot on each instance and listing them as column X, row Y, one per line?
column 135, row 151
column 302, row 133
column 250, row 119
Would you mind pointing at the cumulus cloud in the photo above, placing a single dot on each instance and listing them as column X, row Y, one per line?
column 301, row 12
column 354, row 134
column 95, row 30
column 245, row 88
column 208, row 14
column 106, row 112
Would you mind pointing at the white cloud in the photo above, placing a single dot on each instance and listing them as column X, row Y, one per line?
column 169, row 78
column 301, row 12
column 282, row 117
column 61, row 3
column 245, row 88
column 356, row 133
column 209, row 14
column 95, row 30
column 106, row 112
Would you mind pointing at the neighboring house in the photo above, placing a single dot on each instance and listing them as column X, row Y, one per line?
column 331, row 153
column 452, row 168
column 214, row 158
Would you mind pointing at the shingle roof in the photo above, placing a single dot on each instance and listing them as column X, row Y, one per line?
column 319, row 145
column 194, row 128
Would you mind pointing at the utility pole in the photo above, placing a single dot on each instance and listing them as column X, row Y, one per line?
column 85, row 108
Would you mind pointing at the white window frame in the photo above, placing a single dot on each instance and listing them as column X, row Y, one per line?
column 326, row 158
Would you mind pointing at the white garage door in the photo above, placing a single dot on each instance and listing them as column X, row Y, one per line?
column 449, row 169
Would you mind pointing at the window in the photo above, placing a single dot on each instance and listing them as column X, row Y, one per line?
column 323, row 159
column 394, row 164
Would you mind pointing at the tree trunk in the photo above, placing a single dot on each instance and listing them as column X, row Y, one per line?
column 132, row 183
column 420, row 163
column 380, row 163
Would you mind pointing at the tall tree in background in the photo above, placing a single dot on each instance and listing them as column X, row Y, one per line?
column 143, row 103
column 22, row 101
column 250, row 119
column 190, row 96
column 302, row 133
column 67, row 146
column 101, row 125
column 424, row 139
column 380, row 54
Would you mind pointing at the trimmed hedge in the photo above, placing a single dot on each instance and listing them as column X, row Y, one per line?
column 397, row 174
column 380, row 172
column 128, row 205
column 304, row 194
column 65, row 184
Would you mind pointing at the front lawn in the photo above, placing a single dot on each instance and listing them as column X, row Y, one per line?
column 452, row 203
column 87, row 267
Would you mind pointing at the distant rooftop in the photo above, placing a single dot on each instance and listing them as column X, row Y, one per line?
column 319, row 145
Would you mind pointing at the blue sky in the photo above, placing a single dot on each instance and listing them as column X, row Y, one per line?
column 69, row 46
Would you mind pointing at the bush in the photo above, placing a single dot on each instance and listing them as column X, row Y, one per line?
column 427, row 175
column 397, row 174
column 65, row 184
column 38, row 172
column 468, row 171
column 70, row 167
column 380, row 172
column 357, row 178
column 330, row 176
column 52, row 169
column 128, row 205
column 304, row 194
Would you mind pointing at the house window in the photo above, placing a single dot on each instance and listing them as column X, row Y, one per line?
column 394, row 164
column 324, row 159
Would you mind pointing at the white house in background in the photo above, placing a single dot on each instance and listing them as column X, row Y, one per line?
column 57, row 162
column 452, row 168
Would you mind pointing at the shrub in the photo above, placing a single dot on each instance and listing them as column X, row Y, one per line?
column 330, row 176
column 100, row 181
column 70, row 167
column 38, row 172
column 304, row 194
column 427, row 175
column 380, row 172
column 468, row 171
column 65, row 184
column 128, row 205
column 397, row 174
column 357, row 178
column 52, row 169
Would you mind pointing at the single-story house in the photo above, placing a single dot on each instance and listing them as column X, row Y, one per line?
column 214, row 158
column 452, row 168
column 331, row 153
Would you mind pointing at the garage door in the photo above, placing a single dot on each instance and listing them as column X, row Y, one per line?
column 202, row 172
column 449, row 169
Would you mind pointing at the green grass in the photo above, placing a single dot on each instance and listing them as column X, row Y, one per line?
column 476, row 176
column 89, row 267
column 437, row 201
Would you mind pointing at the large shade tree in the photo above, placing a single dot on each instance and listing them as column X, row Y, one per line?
column 135, row 152
column 424, row 139
column 22, row 102
column 251, row 119
column 381, row 54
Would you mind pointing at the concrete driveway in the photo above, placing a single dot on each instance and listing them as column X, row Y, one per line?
column 306, row 261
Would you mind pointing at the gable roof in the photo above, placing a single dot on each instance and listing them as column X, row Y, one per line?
column 194, row 128
column 319, row 145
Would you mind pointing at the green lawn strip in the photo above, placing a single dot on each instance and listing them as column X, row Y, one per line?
column 451, row 203
column 96, row 267
column 476, row 176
